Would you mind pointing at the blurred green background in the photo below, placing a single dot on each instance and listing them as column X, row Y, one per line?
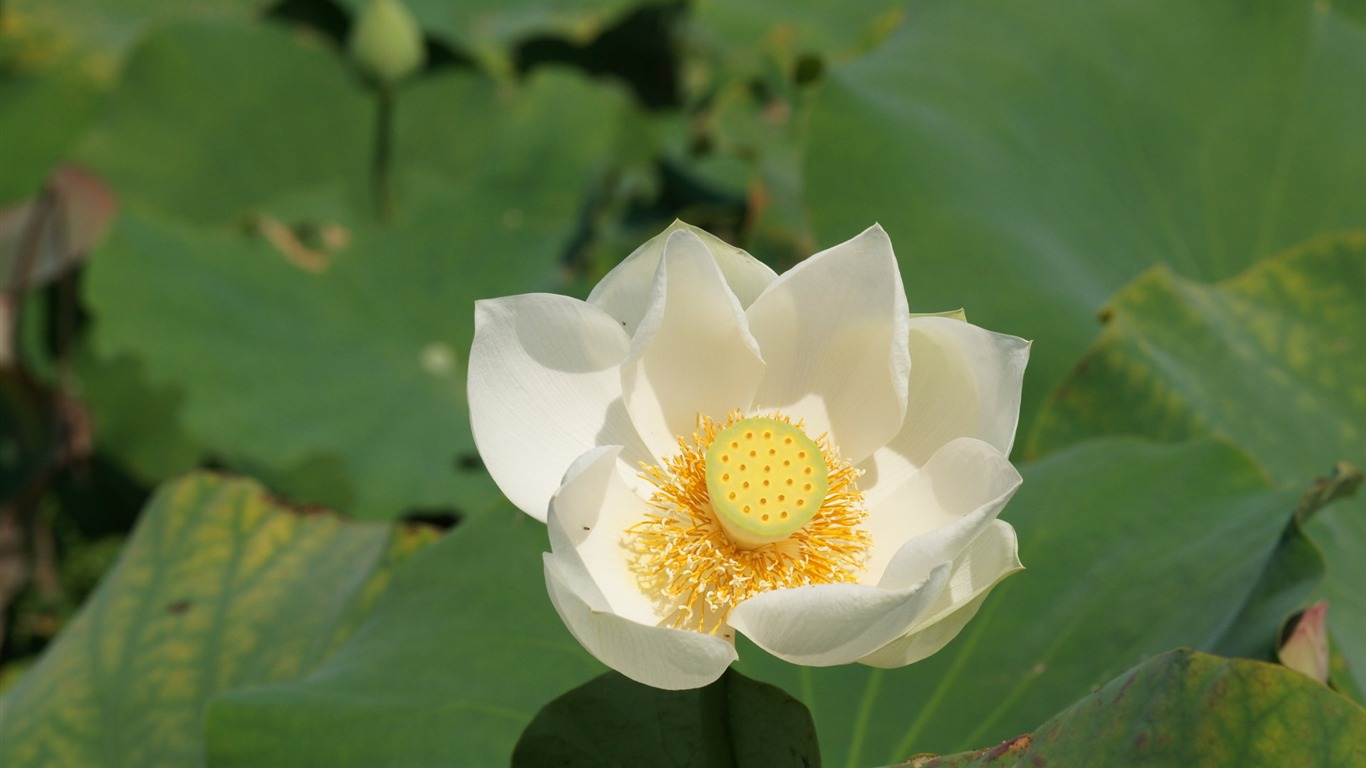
column 225, row 247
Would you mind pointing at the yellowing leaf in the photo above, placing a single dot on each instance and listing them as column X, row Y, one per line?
column 1273, row 360
column 1196, row 711
column 219, row 587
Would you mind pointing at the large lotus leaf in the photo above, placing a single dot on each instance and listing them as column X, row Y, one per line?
column 310, row 345
column 43, row 110
column 464, row 650
column 488, row 29
column 1196, row 711
column 287, row 113
column 1273, row 360
column 211, row 120
column 453, row 663
column 1029, row 158
column 355, row 371
column 614, row 722
column 1130, row 548
column 523, row 159
column 219, row 587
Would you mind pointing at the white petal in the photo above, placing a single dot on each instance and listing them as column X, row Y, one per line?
column 926, row 518
column 624, row 293
column 984, row 563
column 692, row 352
column 922, row 644
column 589, row 516
column 544, row 387
column 989, row 559
column 834, row 623
column 673, row 659
column 833, row 332
column 965, row 382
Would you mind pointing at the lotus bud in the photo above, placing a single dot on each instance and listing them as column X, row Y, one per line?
column 386, row 42
column 1305, row 650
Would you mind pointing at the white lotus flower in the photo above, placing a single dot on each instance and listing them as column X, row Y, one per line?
column 717, row 448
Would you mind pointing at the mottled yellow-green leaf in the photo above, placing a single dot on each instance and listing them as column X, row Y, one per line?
column 1286, row 340
column 1196, row 711
column 220, row 587
column 96, row 35
column 447, row 670
column 1273, row 360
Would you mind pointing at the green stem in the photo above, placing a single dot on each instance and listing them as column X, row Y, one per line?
column 968, row 644
column 382, row 181
column 865, row 713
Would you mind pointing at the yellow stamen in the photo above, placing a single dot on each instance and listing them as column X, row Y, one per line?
column 696, row 570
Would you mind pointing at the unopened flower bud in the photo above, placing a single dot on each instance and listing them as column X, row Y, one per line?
column 386, row 42
column 1305, row 650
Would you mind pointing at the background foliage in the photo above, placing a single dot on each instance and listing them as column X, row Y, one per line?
column 285, row 292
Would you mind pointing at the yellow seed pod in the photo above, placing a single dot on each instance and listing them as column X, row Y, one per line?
column 766, row 480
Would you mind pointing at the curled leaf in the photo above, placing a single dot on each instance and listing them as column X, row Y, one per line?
column 45, row 236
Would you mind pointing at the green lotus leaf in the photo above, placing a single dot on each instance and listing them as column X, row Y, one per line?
column 1130, row 549
column 454, row 662
column 219, row 587
column 1273, row 360
column 1191, row 709
column 1029, row 159
column 294, row 336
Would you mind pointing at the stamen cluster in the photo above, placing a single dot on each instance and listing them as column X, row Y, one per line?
column 696, row 572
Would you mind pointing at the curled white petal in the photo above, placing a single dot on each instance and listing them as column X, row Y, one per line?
column 624, row 292
column 692, row 352
column 589, row 516
column 544, row 387
column 965, row 382
column 834, row 623
column 832, row 331
column 926, row 518
column 673, row 659
column 987, row 560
